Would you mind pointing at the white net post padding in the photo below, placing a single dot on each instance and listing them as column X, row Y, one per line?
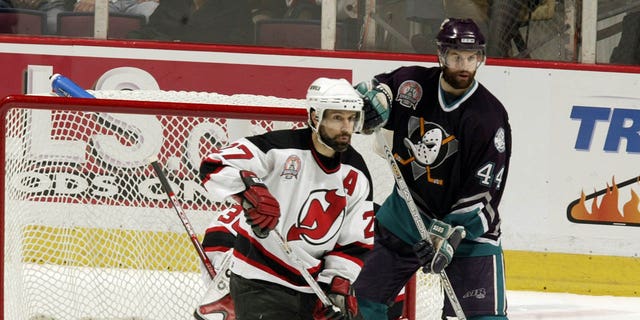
column 89, row 235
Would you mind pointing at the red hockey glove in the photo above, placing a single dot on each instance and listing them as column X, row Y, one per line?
column 341, row 294
column 261, row 209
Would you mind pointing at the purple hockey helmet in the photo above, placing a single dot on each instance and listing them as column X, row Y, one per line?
column 460, row 34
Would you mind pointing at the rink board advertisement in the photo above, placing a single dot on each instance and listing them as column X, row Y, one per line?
column 573, row 183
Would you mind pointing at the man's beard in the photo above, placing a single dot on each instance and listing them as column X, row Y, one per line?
column 450, row 78
column 332, row 142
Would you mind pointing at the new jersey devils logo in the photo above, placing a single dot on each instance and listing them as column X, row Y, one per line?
column 320, row 218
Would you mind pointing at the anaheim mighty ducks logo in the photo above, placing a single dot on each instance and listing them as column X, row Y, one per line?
column 320, row 218
column 430, row 145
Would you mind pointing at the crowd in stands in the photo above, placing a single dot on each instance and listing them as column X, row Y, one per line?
column 234, row 22
column 186, row 20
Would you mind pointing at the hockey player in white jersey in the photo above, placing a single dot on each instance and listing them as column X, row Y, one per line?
column 314, row 190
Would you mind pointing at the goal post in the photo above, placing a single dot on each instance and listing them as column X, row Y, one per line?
column 87, row 231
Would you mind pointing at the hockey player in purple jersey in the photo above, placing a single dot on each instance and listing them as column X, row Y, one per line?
column 452, row 141
column 308, row 185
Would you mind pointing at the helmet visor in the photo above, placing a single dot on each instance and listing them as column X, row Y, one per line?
column 342, row 119
column 462, row 59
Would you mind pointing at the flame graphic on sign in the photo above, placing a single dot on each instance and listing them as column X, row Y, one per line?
column 607, row 212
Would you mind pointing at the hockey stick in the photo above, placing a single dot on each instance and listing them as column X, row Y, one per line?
column 219, row 286
column 64, row 87
column 415, row 215
column 326, row 302
column 305, row 273
column 182, row 215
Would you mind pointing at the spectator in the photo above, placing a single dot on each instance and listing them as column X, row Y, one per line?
column 139, row 7
column 429, row 15
column 215, row 21
column 50, row 7
column 312, row 9
column 267, row 9
column 503, row 26
column 303, row 9
column 348, row 24
column 503, row 21
column 628, row 49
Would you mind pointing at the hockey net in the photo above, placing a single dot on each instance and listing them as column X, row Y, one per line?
column 88, row 234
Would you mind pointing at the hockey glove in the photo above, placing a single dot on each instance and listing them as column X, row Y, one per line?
column 341, row 295
column 377, row 98
column 261, row 209
column 424, row 251
column 445, row 239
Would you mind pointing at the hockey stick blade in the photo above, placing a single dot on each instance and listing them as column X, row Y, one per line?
column 404, row 192
column 217, row 300
column 218, row 310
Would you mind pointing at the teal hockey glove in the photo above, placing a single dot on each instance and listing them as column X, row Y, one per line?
column 445, row 239
column 377, row 98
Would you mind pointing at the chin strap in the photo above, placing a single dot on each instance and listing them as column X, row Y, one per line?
column 317, row 134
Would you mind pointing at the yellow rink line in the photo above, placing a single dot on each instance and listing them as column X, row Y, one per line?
column 572, row 273
column 173, row 251
column 109, row 248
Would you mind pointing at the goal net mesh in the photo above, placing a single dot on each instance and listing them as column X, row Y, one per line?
column 88, row 234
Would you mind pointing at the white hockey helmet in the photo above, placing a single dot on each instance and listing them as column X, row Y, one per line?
column 333, row 94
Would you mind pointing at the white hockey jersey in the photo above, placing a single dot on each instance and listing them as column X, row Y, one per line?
column 326, row 208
